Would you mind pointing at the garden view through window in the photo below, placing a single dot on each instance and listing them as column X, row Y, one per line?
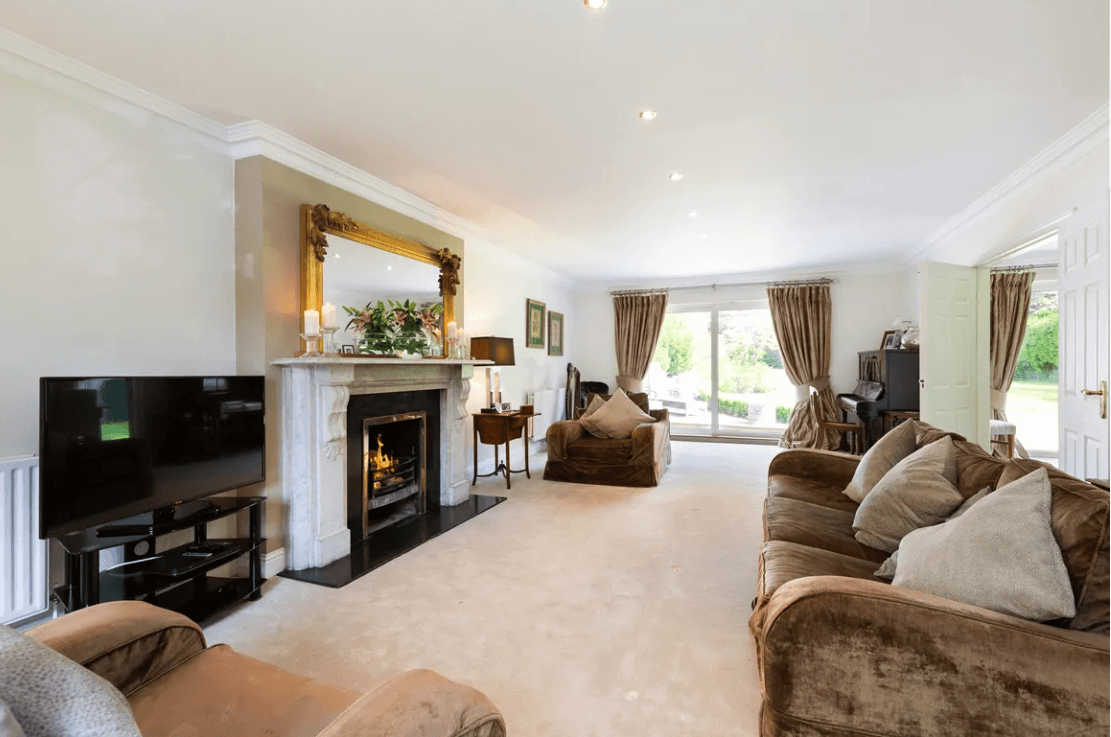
column 1032, row 400
column 719, row 371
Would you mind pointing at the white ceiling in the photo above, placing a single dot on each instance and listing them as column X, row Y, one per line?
column 810, row 133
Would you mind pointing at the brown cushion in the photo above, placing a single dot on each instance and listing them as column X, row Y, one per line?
column 1079, row 519
column 591, row 448
column 976, row 468
column 810, row 490
column 781, row 562
column 790, row 520
column 927, row 434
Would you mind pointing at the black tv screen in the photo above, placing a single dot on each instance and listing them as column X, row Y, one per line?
column 115, row 447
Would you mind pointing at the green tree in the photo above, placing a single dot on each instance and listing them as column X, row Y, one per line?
column 1039, row 348
column 675, row 348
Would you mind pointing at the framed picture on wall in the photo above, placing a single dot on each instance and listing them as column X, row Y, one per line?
column 555, row 333
column 534, row 324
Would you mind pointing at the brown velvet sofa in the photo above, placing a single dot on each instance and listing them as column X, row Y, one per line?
column 178, row 686
column 845, row 654
column 577, row 456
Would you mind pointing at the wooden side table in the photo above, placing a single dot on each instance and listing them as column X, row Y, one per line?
column 495, row 428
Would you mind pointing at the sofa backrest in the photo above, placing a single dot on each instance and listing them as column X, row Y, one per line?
column 976, row 468
column 1079, row 517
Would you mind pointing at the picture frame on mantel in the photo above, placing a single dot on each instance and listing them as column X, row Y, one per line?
column 555, row 333
column 534, row 324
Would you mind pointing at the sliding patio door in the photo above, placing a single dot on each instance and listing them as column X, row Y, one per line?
column 718, row 371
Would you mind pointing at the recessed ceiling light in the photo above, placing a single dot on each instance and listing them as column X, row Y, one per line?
column 703, row 237
column 647, row 114
column 336, row 255
column 675, row 176
column 389, row 268
column 692, row 214
column 595, row 4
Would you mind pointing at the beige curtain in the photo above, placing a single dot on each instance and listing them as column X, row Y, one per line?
column 802, row 315
column 1010, row 303
column 636, row 326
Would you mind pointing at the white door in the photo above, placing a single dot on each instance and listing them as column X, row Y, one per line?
column 950, row 359
column 1082, row 301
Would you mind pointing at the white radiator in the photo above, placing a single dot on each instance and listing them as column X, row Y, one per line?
column 23, row 564
column 549, row 403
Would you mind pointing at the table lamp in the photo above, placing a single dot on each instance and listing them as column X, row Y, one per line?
column 500, row 351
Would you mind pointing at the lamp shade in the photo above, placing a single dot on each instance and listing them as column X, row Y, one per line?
column 498, row 350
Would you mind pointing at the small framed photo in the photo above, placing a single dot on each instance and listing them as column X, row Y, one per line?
column 347, row 348
column 555, row 333
column 535, row 324
column 506, row 407
column 891, row 340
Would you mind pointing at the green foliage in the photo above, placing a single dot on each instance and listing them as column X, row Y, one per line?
column 675, row 347
column 397, row 326
column 733, row 407
column 783, row 414
column 1039, row 348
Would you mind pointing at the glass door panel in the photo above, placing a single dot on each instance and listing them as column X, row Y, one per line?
column 754, row 395
column 679, row 378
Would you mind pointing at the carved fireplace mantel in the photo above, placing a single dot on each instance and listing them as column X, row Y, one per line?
column 315, row 392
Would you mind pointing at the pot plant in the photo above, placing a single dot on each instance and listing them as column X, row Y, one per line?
column 394, row 328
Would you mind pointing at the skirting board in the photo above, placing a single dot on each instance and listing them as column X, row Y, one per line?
column 273, row 563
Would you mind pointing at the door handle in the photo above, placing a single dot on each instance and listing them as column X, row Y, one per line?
column 1102, row 394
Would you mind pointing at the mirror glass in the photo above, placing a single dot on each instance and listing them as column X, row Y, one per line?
column 355, row 274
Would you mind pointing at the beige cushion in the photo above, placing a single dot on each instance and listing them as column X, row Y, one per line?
column 596, row 403
column 616, row 419
column 887, row 570
column 921, row 490
column 52, row 696
column 881, row 458
column 9, row 727
column 1000, row 555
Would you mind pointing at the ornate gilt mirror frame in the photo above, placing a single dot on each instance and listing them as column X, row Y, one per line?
column 318, row 220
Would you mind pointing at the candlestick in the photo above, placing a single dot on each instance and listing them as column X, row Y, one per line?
column 311, row 341
column 328, row 315
column 312, row 322
column 329, row 339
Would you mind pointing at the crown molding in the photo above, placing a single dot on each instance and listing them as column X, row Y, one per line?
column 34, row 62
column 1081, row 140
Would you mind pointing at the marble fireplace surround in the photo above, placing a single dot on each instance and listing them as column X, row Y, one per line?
column 315, row 392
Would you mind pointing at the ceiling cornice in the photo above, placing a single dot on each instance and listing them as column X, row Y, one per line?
column 1069, row 148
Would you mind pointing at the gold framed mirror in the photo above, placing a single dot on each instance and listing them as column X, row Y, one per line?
column 318, row 222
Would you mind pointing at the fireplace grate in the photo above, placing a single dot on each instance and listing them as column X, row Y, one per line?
column 393, row 482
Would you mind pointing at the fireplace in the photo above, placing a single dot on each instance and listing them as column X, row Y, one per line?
column 392, row 459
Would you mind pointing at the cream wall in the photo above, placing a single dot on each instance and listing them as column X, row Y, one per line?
column 117, row 233
column 498, row 284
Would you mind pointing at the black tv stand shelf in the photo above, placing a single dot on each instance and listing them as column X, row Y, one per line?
column 170, row 578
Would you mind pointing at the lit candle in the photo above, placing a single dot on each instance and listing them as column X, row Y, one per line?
column 312, row 322
column 451, row 330
column 328, row 313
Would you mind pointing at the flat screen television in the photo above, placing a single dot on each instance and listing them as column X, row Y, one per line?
column 134, row 450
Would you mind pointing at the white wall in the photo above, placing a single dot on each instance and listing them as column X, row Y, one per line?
column 865, row 304
column 498, row 284
column 117, row 236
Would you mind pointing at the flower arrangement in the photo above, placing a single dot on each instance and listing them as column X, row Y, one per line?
column 395, row 327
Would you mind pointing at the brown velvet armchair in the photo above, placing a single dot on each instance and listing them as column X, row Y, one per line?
column 576, row 456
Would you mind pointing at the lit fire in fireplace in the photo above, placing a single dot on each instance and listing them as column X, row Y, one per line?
column 380, row 461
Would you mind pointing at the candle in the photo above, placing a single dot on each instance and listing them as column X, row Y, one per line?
column 328, row 313
column 312, row 322
column 451, row 330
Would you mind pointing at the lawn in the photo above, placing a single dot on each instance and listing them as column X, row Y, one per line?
column 1032, row 406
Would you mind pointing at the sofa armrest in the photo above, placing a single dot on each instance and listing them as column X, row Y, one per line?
column 661, row 415
column 820, row 465
column 650, row 443
column 126, row 642
column 870, row 658
column 559, row 435
column 420, row 703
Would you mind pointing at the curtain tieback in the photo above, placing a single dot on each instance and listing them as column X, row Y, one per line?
column 802, row 391
column 998, row 400
column 630, row 384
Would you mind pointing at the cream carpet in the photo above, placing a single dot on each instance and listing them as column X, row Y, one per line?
column 579, row 610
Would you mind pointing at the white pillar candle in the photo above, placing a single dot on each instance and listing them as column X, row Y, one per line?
column 312, row 322
column 451, row 330
column 328, row 315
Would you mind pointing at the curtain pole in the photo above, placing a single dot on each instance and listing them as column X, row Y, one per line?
column 1027, row 267
column 822, row 280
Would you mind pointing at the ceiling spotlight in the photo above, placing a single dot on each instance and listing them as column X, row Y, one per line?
column 675, row 176
column 692, row 214
column 647, row 114
column 595, row 4
column 703, row 237
column 389, row 268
